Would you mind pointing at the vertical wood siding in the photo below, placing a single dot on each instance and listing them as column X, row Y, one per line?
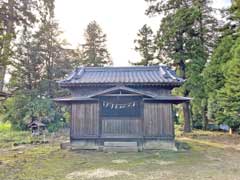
column 121, row 127
column 85, row 120
column 158, row 120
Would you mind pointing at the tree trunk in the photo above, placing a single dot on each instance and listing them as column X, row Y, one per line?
column 182, row 68
column 205, row 118
column 2, row 76
column 10, row 22
column 187, row 118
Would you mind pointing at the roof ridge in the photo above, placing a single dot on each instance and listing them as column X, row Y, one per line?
column 122, row 68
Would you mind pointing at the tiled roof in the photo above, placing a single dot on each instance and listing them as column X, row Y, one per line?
column 122, row 75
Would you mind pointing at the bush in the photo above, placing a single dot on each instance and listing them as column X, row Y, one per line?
column 22, row 109
column 5, row 127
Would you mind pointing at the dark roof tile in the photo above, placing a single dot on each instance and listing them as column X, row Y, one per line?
column 125, row 75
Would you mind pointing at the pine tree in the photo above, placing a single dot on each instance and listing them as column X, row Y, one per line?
column 95, row 52
column 145, row 46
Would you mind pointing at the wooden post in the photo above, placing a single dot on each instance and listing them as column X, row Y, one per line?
column 187, row 120
column 100, row 119
column 2, row 73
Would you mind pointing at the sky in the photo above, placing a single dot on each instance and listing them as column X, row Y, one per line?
column 119, row 19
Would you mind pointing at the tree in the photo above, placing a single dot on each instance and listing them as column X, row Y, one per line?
column 94, row 51
column 27, row 67
column 145, row 45
column 214, row 73
column 235, row 10
column 185, row 40
column 5, row 53
column 39, row 60
column 51, row 52
column 228, row 97
column 221, row 72
column 13, row 13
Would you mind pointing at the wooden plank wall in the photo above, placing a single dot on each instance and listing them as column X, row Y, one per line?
column 158, row 120
column 85, row 120
column 121, row 127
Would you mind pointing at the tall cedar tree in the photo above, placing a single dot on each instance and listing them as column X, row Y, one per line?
column 228, row 97
column 57, row 60
column 145, row 46
column 94, row 51
column 222, row 71
column 13, row 13
column 185, row 40
column 214, row 73
column 27, row 66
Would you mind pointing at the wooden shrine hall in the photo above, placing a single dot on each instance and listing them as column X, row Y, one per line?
column 122, row 107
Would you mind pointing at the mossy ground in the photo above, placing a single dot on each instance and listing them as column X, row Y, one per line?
column 205, row 155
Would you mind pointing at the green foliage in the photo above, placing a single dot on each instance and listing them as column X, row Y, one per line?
column 228, row 97
column 214, row 73
column 39, row 61
column 23, row 108
column 235, row 10
column 222, row 74
column 94, row 52
column 5, row 127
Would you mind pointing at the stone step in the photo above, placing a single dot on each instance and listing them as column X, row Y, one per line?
column 120, row 144
column 120, row 147
column 84, row 145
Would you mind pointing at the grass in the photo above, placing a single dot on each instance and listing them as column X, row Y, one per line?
column 211, row 156
column 9, row 137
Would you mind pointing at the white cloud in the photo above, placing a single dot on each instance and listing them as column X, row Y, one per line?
column 119, row 19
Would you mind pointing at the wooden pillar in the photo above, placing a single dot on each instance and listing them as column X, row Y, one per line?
column 187, row 120
column 2, row 74
column 100, row 119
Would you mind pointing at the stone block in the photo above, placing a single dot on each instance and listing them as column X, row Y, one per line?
column 159, row 145
column 84, row 145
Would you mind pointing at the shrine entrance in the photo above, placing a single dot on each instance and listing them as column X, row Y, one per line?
column 121, row 115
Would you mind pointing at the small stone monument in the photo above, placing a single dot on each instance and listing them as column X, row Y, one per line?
column 36, row 127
